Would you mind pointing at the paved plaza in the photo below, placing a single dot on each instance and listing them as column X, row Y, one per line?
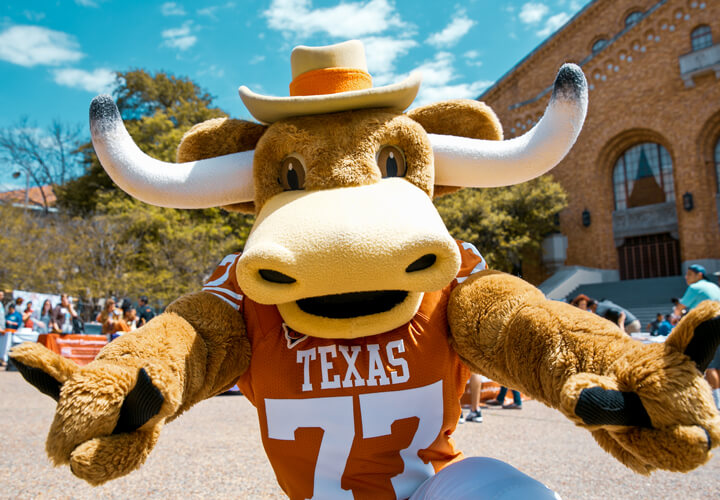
column 214, row 451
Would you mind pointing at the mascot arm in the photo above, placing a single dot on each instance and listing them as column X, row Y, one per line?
column 647, row 405
column 110, row 412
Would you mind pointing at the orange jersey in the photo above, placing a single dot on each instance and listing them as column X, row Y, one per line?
column 353, row 418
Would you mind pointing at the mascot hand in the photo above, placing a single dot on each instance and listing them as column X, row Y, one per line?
column 108, row 415
column 653, row 409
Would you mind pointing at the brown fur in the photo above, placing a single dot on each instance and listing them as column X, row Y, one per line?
column 340, row 148
column 218, row 137
column 506, row 329
column 500, row 325
column 459, row 117
column 198, row 349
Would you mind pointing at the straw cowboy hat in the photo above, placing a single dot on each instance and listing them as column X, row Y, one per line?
column 327, row 80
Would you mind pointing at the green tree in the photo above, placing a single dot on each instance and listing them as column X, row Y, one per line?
column 105, row 243
column 504, row 223
column 157, row 110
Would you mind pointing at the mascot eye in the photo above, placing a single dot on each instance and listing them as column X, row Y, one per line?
column 292, row 174
column 391, row 162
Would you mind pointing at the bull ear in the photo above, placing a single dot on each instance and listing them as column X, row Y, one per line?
column 458, row 117
column 219, row 137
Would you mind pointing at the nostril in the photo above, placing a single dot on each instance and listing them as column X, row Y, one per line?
column 275, row 276
column 423, row 262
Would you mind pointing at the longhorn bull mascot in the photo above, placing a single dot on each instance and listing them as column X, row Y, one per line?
column 352, row 319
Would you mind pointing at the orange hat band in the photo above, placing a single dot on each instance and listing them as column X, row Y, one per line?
column 330, row 81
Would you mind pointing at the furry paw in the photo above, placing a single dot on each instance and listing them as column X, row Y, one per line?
column 653, row 409
column 108, row 415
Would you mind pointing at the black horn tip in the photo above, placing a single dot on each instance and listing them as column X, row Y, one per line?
column 570, row 83
column 103, row 112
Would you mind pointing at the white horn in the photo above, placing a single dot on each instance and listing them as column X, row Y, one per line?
column 461, row 161
column 199, row 184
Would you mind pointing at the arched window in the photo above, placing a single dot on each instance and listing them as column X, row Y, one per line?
column 633, row 17
column 599, row 45
column 717, row 163
column 701, row 37
column 643, row 176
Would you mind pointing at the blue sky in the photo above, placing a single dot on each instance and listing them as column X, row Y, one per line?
column 55, row 56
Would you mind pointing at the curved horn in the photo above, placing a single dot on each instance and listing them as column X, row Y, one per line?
column 461, row 161
column 199, row 184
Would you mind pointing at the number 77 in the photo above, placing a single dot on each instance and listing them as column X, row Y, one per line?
column 378, row 412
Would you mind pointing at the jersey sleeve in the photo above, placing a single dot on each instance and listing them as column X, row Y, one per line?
column 223, row 282
column 471, row 261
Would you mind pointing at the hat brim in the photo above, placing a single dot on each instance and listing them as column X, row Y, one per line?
column 267, row 109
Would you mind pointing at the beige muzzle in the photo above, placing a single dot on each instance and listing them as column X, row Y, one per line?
column 368, row 238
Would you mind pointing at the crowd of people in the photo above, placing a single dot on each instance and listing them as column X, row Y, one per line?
column 63, row 318
column 700, row 287
column 118, row 319
column 19, row 313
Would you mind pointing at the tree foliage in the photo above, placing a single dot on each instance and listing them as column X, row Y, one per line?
column 504, row 223
column 104, row 243
column 127, row 250
column 157, row 110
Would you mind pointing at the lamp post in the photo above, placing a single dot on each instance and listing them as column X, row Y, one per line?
column 27, row 186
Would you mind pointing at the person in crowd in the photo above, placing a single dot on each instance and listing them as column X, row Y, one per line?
column 14, row 319
column 2, row 311
column 677, row 311
column 3, row 338
column 27, row 316
column 475, row 414
column 500, row 400
column 62, row 316
column 701, row 288
column 42, row 317
column 108, row 317
column 619, row 315
column 665, row 327
column 145, row 312
column 581, row 301
column 18, row 305
column 130, row 317
column 654, row 325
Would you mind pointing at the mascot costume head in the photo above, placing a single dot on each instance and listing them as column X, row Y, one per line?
column 353, row 310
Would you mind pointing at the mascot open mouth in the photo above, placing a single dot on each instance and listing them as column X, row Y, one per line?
column 352, row 305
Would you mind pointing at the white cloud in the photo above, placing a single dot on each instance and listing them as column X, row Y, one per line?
column 471, row 58
column 553, row 23
column 212, row 70
column 532, row 13
column 257, row 59
column 172, row 9
column 346, row 20
column 86, row 3
column 211, row 10
column 33, row 16
column 99, row 81
column 381, row 53
column 453, row 32
column 439, row 82
column 179, row 38
column 33, row 45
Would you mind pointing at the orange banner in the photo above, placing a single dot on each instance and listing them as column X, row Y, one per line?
column 80, row 348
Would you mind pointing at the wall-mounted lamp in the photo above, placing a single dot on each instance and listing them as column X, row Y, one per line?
column 586, row 217
column 688, row 201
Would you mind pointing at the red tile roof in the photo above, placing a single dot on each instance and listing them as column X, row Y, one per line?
column 34, row 196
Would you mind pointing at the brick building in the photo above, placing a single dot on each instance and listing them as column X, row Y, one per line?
column 643, row 178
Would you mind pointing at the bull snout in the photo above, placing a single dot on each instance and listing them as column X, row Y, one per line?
column 347, row 244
